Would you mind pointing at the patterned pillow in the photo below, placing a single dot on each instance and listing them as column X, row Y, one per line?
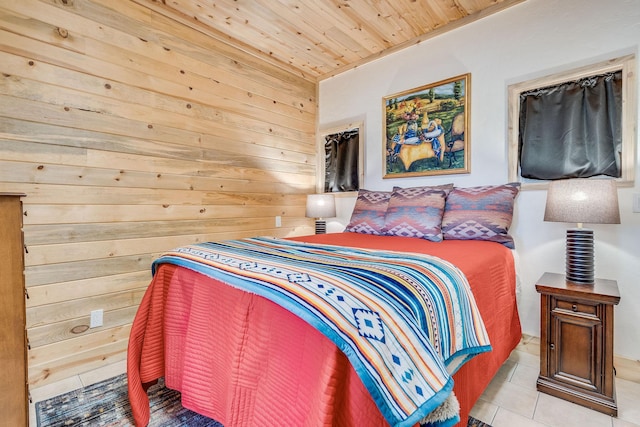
column 416, row 212
column 480, row 213
column 368, row 213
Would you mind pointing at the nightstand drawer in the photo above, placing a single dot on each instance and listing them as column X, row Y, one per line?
column 575, row 307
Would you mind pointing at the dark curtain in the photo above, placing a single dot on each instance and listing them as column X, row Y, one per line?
column 341, row 162
column 572, row 130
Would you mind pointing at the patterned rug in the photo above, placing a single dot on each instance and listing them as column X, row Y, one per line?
column 107, row 404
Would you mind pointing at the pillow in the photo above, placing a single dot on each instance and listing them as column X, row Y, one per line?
column 480, row 213
column 416, row 212
column 368, row 213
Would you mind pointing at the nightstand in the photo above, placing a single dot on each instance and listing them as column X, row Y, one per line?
column 576, row 341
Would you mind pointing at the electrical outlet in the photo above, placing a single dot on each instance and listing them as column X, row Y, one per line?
column 636, row 202
column 278, row 221
column 96, row 318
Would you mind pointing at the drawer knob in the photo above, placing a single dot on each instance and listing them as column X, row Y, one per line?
column 574, row 307
column 552, row 346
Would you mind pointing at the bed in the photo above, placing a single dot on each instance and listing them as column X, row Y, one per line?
column 401, row 320
column 244, row 360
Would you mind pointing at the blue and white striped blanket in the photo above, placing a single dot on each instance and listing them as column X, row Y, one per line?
column 406, row 322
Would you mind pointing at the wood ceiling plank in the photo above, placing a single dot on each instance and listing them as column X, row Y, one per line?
column 381, row 24
column 407, row 15
column 314, row 32
column 333, row 13
column 322, row 38
column 261, row 28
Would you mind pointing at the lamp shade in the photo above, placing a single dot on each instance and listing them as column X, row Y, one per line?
column 581, row 200
column 321, row 206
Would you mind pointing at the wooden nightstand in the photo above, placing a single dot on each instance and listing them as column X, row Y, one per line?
column 576, row 341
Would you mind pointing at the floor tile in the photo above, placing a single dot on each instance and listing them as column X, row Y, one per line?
column 484, row 411
column 617, row 422
column 506, row 371
column 628, row 399
column 525, row 376
column 561, row 413
column 529, row 345
column 627, row 369
column 506, row 418
column 524, row 358
column 518, row 399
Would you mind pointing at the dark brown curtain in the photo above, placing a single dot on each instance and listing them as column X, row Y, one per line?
column 341, row 162
column 572, row 130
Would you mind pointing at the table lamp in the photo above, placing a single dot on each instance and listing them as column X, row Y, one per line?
column 321, row 206
column 581, row 200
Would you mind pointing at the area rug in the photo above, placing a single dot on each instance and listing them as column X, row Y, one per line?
column 107, row 404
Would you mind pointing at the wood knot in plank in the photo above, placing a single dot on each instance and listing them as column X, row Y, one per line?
column 63, row 32
column 79, row 329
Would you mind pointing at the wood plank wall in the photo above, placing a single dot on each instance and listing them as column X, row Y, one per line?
column 131, row 134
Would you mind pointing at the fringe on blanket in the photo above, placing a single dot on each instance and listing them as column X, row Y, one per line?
column 448, row 410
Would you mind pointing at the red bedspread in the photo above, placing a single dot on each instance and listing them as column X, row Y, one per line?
column 223, row 348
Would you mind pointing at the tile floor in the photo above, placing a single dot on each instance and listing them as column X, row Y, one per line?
column 511, row 400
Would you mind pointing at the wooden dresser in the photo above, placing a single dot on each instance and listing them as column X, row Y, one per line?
column 14, row 405
column 576, row 341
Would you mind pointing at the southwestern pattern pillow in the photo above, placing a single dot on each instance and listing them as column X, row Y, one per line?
column 415, row 212
column 368, row 213
column 480, row 213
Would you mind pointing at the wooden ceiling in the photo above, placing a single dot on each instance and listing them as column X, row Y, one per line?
column 320, row 38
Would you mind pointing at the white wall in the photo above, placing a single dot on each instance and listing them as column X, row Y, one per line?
column 533, row 39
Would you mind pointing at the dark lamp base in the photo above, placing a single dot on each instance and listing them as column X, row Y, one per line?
column 580, row 265
column 321, row 226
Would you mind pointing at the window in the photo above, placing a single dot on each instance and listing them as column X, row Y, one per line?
column 575, row 124
column 341, row 154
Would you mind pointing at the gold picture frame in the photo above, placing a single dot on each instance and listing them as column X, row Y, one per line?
column 426, row 129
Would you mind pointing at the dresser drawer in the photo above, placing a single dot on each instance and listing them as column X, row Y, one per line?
column 575, row 307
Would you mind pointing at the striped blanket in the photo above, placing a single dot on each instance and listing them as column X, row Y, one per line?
column 406, row 322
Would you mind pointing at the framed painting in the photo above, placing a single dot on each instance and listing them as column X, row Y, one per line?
column 426, row 129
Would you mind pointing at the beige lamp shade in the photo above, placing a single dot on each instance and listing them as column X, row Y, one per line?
column 581, row 200
column 321, row 206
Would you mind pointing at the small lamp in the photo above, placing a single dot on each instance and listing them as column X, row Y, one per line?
column 582, row 200
column 321, row 206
